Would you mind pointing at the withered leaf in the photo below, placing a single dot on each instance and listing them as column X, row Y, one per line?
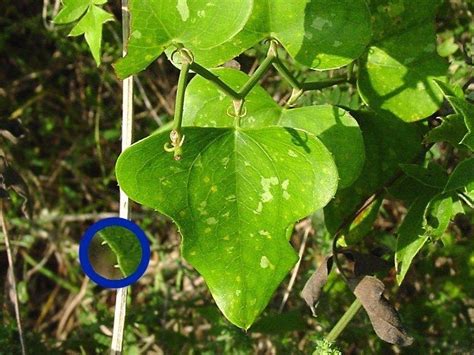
column 10, row 179
column 314, row 286
column 383, row 316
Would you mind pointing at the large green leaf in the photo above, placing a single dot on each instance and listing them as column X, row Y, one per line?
column 389, row 142
column 321, row 34
column 206, row 106
column 199, row 25
column 126, row 247
column 233, row 195
column 397, row 73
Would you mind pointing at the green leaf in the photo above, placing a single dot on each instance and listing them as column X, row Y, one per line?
column 397, row 73
column 71, row 11
column 206, row 106
column 455, row 96
column 90, row 25
column 448, row 47
column 233, row 195
column 199, row 25
column 411, row 236
column 452, row 130
column 433, row 176
column 363, row 224
column 438, row 215
column 126, row 247
column 389, row 142
column 321, row 34
column 462, row 177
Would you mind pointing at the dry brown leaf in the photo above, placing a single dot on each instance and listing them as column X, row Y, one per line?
column 383, row 316
column 314, row 286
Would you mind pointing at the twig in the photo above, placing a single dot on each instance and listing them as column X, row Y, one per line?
column 294, row 273
column 11, row 277
column 127, row 136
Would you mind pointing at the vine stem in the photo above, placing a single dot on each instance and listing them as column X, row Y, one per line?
column 11, row 277
column 127, row 137
column 344, row 321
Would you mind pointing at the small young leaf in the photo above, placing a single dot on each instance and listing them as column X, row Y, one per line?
column 455, row 97
column 233, row 195
column 90, row 25
column 314, row 286
column 383, row 316
column 71, row 11
column 125, row 246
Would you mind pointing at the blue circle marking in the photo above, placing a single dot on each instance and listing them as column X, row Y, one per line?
column 84, row 252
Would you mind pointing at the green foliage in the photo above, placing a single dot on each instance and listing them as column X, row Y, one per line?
column 233, row 194
column 315, row 33
column 91, row 19
column 250, row 169
column 125, row 246
column 397, row 73
column 206, row 106
column 199, row 25
column 389, row 142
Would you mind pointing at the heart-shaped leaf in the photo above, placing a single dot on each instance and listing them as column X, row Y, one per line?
column 233, row 195
column 321, row 34
column 206, row 106
column 197, row 24
column 397, row 73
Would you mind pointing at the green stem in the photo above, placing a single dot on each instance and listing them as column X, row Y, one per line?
column 319, row 85
column 213, row 78
column 176, row 135
column 264, row 67
column 287, row 75
column 344, row 321
column 181, row 90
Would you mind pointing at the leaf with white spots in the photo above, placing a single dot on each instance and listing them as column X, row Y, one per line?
column 199, row 25
column 206, row 106
column 321, row 34
column 233, row 195
column 398, row 72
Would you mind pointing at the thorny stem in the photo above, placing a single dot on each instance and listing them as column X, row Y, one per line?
column 127, row 137
column 344, row 321
column 11, row 277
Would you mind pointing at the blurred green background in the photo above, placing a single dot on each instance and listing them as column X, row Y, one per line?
column 70, row 110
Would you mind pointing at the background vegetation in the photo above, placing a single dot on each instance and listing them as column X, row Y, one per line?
column 70, row 111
